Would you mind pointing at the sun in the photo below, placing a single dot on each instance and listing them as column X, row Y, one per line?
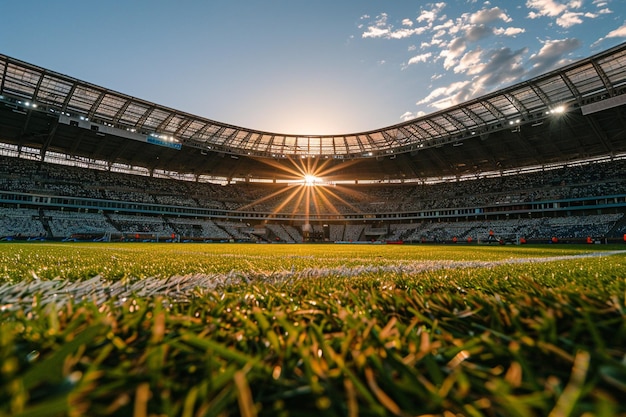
column 310, row 179
column 308, row 192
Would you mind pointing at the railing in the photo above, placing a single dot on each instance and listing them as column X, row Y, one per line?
column 532, row 208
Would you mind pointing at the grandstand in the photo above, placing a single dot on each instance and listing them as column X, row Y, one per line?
column 540, row 159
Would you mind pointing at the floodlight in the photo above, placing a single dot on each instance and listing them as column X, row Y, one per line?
column 556, row 110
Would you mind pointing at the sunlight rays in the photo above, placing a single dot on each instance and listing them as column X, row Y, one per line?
column 266, row 198
column 307, row 193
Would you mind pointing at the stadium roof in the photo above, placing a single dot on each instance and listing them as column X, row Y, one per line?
column 573, row 113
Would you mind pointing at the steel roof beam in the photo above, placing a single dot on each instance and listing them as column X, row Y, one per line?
column 96, row 104
column 121, row 111
column 604, row 78
column 161, row 127
column 494, row 111
column 49, row 139
column 419, row 140
column 142, row 119
column 519, row 106
column 572, row 87
column 4, row 75
column 568, row 84
column 456, row 122
column 475, row 118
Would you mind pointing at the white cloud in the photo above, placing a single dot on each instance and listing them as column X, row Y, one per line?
column 474, row 33
column 470, row 63
column 489, row 15
column 467, row 29
column 435, row 77
column 380, row 28
column 448, row 93
column 426, row 16
column 455, row 49
column 603, row 6
column 486, row 69
column 375, row 32
column 406, row 33
column 407, row 116
column 434, row 42
column 549, row 8
column 429, row 16
column 447, row 25
column 569, row 19
column 466, row 53
column 501, row 66
column 552, row 54
column 449, row 28
column 620, row 32
column 565, row 13
column 420, row 58
column 511, row 31
column 410, row 116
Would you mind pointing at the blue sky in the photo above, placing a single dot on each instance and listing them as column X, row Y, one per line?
column 307, row 66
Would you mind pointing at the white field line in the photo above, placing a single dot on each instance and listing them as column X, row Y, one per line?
column 27, row 295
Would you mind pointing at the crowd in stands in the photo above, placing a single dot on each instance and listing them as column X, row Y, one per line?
column 563, row 183
column 30, row 223
column 29, row 176
column 64, row 223
column 20, row 222
column 578, row 228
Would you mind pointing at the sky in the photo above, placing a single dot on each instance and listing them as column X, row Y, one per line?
column 307, row 67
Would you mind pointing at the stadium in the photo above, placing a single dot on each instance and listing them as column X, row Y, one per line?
column 538, row 160
column 148, row 264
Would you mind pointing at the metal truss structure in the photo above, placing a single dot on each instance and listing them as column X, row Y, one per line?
column 570, row 114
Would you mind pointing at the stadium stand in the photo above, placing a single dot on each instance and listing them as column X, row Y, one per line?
column 594, row 186
column 72, row 168
column 68, row 224
column 20, row 223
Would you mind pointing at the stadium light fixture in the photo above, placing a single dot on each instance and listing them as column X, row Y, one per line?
column 557, row 110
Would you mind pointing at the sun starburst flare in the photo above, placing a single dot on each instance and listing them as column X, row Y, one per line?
column 307, row 192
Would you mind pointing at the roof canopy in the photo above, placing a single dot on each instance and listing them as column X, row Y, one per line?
column 500, row 130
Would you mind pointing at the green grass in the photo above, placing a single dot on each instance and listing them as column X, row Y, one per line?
column 298, row 330
column 141, row 260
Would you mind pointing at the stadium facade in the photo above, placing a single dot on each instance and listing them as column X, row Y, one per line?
column 540, row 159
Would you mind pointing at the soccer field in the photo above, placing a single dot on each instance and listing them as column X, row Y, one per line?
column 229, row 329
